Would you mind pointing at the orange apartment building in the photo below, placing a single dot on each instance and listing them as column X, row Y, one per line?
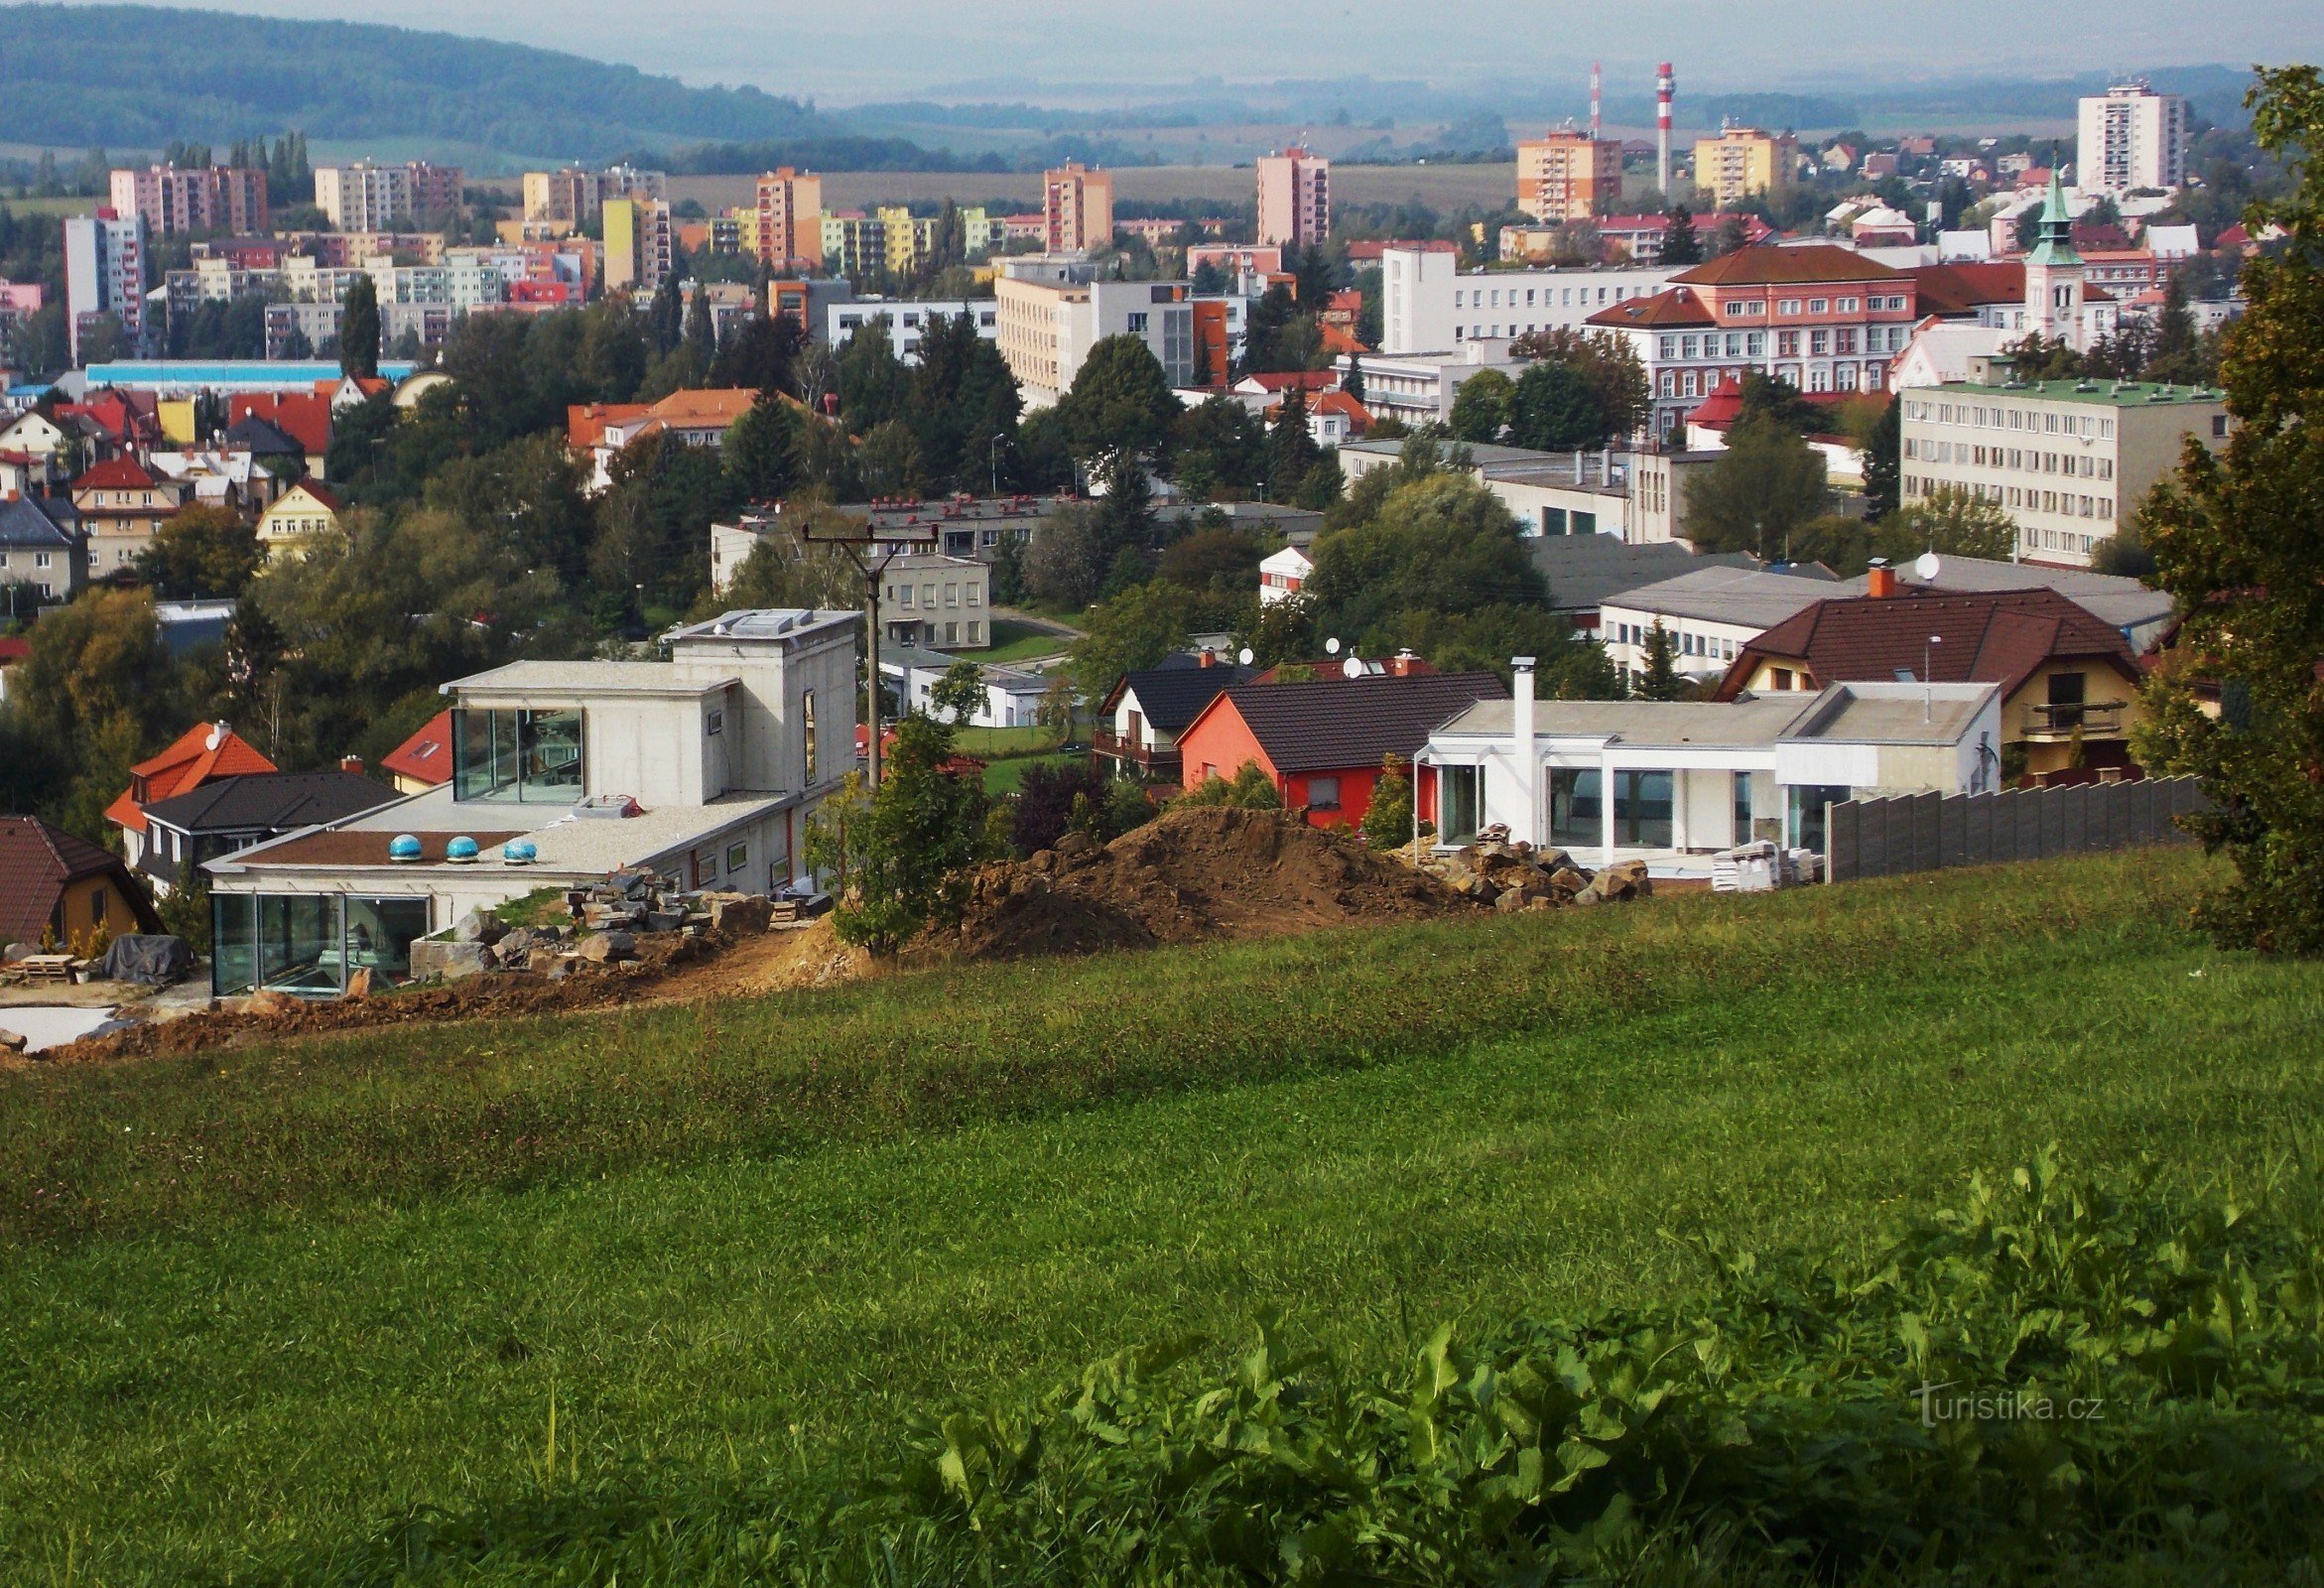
column 1077, row 208
column 1568, row 176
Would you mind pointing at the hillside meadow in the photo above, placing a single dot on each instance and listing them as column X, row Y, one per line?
column 257, row 1308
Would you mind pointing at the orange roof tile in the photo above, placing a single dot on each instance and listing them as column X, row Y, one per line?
column 1787, row 267
column 204, row 751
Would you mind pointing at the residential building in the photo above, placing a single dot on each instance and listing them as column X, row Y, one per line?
column 104, row 274
column 306, row 509
column 304, row 417
column 1568, row 176
column 1011, row 697
column 2068, row 681
column 201, row 755
column 43, row 550
column 1295, row 199
column 231, row 812
column 1632, row 496
column 573, row 195
column 700, row 769
column 2068, row 459
column 1236, row 262
column 1711, row 613
column 122, row 506
column 788, row 210
column 423, row 761
column 937, row 601
column 1427, row 305
column 195, row 199
column 806, row 302
column 1077, row 210
column 1823, row 318
column 640, row 246
column 907, row 321
column 1321, row 743
column 1674, row 782
column 1744, row 162
column 366, row 196
column 2132, row 138
column 1047, row 327
column 695, row 418
column 1142, row 714
column 63, row 888
column 1283, row 574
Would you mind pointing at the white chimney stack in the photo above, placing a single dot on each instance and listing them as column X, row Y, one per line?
column 1524, row 753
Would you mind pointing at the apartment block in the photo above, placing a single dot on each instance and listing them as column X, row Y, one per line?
column 368, row 197
column 1295, row 199
column 1743, row 161
column 640, row 244
column 2131, row 138
column 574, row 195
column 171, row 199
column 1077, row 208
column 1046, row 328
column 788, row 211
column 1568, row 176
column 1428, row 307
column 104, row 274
column 2068, row 459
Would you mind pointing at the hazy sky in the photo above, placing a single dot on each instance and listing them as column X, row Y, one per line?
column 879, row 47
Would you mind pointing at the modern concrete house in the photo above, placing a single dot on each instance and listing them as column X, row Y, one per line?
column 1669, row 780
column 701, row 768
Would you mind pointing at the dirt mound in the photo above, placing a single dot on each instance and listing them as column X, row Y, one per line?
column 1191, row 874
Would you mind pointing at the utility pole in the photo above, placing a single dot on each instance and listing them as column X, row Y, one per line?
column 872, row 546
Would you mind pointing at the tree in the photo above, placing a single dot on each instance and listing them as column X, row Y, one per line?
column 1134, row 629
column 1263, row 325
column 1292, row 453
column 2234, row 540
column 908, row 848
column 1679, row 244
column 757, row 454
column 1353, row 381
column 1882, row 458
column 1218, row 449
column 1120, row 408
column 202, row 553
column 1250, row 790
column 1952, row 522
column 1659, row 680
column 359, row 329
column 1481, row 407
column 1387, row 820
column 1616, row 379
column 959, row 695
column 1766, row 483
column 1555, row 409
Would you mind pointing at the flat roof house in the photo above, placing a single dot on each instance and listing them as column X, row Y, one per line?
column 233, row 813
column 1662, row 780
column 701, row 768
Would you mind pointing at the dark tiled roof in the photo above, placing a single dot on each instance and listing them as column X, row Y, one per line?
column 260, row 438
column 1174, row 694
column 270, row 801
column 1990, row 637
column 24, row 524
column 1356, row 722
column 1582, row 571
column 37, row 861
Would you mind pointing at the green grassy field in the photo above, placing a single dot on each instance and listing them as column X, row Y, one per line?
column 256, row 1304
column 1007, row 777
column 1000, row 743
column 1015, row 641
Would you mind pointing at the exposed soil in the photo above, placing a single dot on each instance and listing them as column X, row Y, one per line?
column 1193, row 874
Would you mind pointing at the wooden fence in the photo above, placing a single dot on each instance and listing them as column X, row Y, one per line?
column 1923, row 832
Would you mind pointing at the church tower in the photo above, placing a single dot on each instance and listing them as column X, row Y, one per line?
column 2054, row 274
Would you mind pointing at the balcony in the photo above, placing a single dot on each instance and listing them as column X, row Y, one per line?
column 2045, row 722
column 1156, row 765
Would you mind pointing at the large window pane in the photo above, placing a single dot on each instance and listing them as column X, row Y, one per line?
column 1807, row 812
column 380, row 934
column 233, row 936
column 1641, row 810
column 1457, row 809
column 299, row 942
column 1576, row 816
column 474, row 773
column 552, row 743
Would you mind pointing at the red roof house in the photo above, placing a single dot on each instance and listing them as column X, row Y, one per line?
column 204, row 751
column 1321, row 743
column 423, row 761
column 305, row 417
column 52, row 880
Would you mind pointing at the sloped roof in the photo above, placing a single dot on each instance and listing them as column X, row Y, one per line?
column 426, row 755
column 37, row 861
column 24, row 524
column 274, row 801
column 1769, row 266
column 1353, row 722
column 303, row 417
column 260, row 438
column 1173, row 695
column 1582, row 571
column 190, row 761
column 695, row 408
column 584, row 423
column 323, row 497
column 1745, row 595
column 1986, row 637
column 1952, row 290
column 1671, row 308
column 117, row 473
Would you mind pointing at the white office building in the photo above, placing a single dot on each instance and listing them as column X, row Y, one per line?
column 908, row 320
column 1428, row 306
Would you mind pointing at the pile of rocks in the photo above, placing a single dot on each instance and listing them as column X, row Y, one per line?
column 1518, row 876
column 620, row 921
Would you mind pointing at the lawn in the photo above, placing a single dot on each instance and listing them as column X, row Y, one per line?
column 996, row 743
column 1015, row 641
column 260, row 1303
column 1007, row 777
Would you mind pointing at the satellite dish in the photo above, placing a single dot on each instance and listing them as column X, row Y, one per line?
column 1926, row 566
column 1243, row 657
column 1332, row 647
column 1351, row 668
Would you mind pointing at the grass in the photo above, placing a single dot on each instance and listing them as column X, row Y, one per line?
column 1007, row 777
column 1015, row 641
column 1000, row 743
column 258, row 1302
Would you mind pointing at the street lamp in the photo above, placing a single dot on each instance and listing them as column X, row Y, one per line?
column 1927, row 653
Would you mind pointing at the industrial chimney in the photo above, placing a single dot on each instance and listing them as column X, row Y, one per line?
column 1665, row 85
column 1595, row 83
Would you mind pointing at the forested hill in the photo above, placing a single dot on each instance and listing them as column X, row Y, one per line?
column 137, row 77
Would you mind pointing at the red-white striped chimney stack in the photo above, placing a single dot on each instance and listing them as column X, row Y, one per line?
column 1594, row 123
column 1665, row 85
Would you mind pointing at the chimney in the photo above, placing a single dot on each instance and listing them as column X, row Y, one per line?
column 1401, row 664
column 351, row 763
column 1665, row 85
column 1526, row 753
column 1879, row 580
column 1209, row 657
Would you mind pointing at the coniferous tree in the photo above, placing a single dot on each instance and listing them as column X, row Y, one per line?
column 1681, row 246
column 359, row 329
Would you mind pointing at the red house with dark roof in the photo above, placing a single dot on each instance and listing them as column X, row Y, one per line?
column 203, row 752
column 1321, row 743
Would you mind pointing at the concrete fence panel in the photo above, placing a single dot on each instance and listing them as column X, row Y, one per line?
column 1928, row 832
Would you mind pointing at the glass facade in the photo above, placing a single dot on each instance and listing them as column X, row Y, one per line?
column 310, row 943
column 1807, row 803
column 1458, row 803
column 1577, row 810
column 534, row 757
column 1641, row 810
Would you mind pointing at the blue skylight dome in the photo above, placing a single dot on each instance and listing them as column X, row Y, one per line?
column 519, row 852
column 461, row 849
column 403, row 847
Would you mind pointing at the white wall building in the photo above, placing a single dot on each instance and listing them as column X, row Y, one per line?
column 908, row 320
column 1428, row 306
column 2130, row 138
column 104, row 274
